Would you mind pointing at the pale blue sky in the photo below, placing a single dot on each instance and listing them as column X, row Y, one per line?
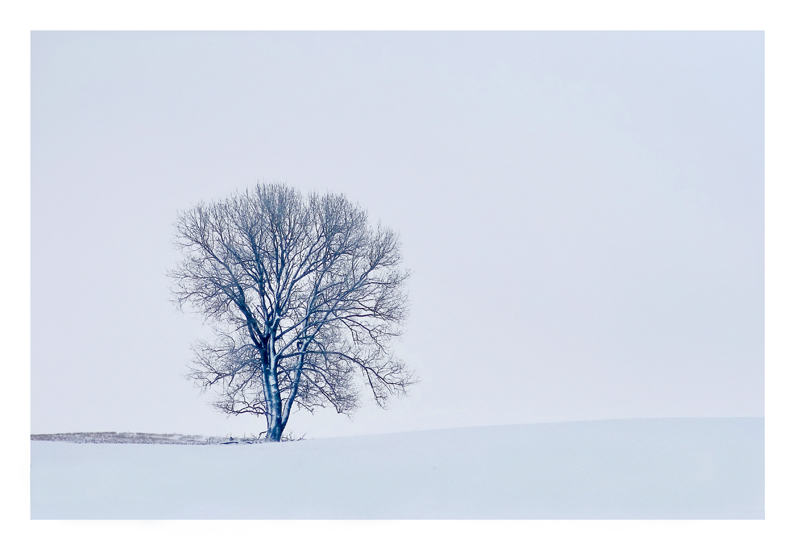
column 582, row 214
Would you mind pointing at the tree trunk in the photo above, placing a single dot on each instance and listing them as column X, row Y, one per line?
column 275, row 432
column 273, row 396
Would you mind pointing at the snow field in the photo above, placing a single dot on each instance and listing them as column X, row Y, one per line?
column 613, row 469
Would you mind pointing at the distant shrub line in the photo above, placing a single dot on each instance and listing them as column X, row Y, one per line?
column 143, row 438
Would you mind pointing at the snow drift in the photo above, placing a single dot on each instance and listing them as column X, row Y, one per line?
column 613, row 469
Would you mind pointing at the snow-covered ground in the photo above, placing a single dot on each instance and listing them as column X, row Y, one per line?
column 656, row 468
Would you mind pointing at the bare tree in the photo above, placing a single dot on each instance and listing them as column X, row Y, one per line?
column 302, row 294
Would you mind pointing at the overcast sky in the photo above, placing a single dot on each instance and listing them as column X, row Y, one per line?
column 582, row 214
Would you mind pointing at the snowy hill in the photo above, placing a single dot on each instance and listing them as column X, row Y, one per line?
column 656, row 468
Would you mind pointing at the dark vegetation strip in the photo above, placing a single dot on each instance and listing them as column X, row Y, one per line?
column 143, row 438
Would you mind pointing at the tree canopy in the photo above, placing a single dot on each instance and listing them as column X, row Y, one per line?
column 303, row 295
